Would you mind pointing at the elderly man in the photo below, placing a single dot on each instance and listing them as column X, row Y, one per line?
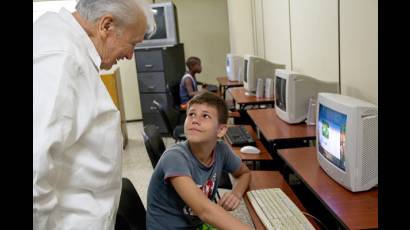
column 76, row 127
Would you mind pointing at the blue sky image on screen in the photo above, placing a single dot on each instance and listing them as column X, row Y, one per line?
column 332, row 135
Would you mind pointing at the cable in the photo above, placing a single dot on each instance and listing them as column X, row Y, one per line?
column 317, row 220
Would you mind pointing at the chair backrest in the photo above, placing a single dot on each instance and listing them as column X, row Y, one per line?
column 153, row 143
column 173, row 90
column 169, row 116
column 131, row 212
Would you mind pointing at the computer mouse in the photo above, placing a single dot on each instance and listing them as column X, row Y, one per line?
column 250, row 149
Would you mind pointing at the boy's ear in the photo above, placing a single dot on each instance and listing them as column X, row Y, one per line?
column 222, row 130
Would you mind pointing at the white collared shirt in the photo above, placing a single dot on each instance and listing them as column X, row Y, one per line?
column 77, row 141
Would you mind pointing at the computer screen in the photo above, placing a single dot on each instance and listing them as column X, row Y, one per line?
column 234, row 67
column 293, row 91
column 159, row 17
column 165, row 16
column 332, row 135
column 280, row 93
column 255, row 68
column 346, row 140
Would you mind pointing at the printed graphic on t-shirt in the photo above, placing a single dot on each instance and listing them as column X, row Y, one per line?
column 207, row 188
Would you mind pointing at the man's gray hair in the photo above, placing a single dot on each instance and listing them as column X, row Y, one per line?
column 92, row 10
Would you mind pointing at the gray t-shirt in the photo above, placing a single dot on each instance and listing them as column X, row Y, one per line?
column 165, row 208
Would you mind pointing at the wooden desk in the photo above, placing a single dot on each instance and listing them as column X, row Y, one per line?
column 352, row 210
column 225, row 84
column 270, row 179
column 274, row 129
column 262, row 156
column 239, row 96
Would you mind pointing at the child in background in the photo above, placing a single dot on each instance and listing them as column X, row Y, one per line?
column 189, row 85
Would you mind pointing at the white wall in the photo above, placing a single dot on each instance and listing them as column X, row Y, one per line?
column 359, row 49
column 277, row 31
column 314, row 29
column 241, row 27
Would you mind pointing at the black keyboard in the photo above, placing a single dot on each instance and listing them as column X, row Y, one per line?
column 239, row 136
column 212, row 88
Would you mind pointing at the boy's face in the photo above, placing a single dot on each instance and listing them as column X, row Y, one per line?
column 202, row 125
column 197, row 67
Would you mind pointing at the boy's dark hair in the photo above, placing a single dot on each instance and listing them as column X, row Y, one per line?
column 192, row 61
column 213, row 101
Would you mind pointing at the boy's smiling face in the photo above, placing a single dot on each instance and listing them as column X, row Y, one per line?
column 202, row 125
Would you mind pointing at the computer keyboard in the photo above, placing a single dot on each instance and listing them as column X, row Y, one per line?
column 212, row 88
column 276, row 211
column 239, row 136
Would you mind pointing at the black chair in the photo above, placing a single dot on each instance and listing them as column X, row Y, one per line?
column 153, row 143
column 173, row 92
column 131, row 211
column 171, row 119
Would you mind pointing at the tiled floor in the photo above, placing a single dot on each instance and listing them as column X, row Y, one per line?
column 137, row 167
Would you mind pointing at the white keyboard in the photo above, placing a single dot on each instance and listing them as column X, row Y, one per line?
column 276, row 210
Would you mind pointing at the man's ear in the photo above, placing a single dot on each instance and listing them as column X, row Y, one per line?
column 106, row 25
column 222, row 130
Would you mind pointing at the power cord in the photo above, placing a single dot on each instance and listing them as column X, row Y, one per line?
column 317, row 220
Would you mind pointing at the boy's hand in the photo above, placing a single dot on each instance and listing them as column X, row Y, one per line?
column 229, row 201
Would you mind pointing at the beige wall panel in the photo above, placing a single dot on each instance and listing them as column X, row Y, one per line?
column 277, row 31
column 241, row 27
column 314, row 27
column 359, row 49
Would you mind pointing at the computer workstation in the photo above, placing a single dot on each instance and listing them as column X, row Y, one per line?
column 277, row 133
column 349, row 210
column 246, row 70
column 224, row 84
column 341, row 171
column 262, row 156
column 284, row 127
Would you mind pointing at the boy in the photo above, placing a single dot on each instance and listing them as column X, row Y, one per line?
column 186, row 177
column 189, row 85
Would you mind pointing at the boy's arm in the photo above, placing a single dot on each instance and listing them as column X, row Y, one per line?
column 231, row 200
column 207, row 211
column 188, row 86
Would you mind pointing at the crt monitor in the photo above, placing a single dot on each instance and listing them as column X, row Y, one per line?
column 234, row 67
column 346, row 140
column 257, row 67
column 292, row 93
column 165, row 16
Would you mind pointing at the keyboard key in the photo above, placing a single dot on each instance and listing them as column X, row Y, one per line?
column 239, row 136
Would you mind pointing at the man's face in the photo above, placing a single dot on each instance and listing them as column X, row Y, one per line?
column 202, row 125
column 120, row 43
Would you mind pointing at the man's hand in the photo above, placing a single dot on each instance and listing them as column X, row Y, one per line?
column 229, row 201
